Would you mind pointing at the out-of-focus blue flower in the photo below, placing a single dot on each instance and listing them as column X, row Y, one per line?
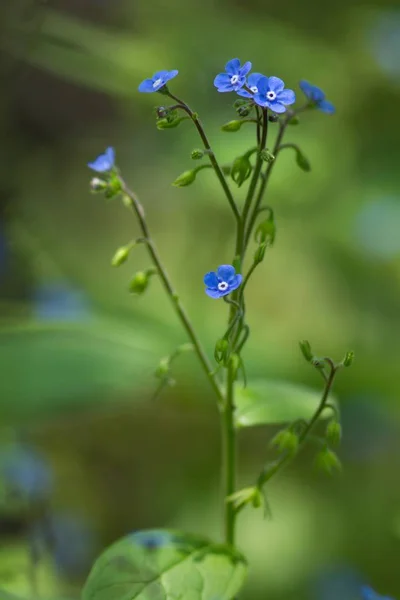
column 252, row 84
column 222, row 282
column 272, row 94
column 157, row 82
column 74, row 544
column 234, row 77
column 367, row 593
column 59, row 302
column 316, row 97
column 25, row 473
column 104, row 162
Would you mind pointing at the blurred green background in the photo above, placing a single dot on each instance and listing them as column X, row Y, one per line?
column 78, row 352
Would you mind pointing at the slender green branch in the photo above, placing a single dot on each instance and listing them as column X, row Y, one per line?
column 229, row 457
column 211, row 155
column 137, row 208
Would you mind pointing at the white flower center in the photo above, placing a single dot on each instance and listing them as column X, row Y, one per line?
column 254, row 89
column 271, row 95
column 234, row 79
column 222, row 286
column 157, row 83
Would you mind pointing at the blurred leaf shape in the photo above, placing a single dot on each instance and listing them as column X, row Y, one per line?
column 266, row 402
column 88, row 54
column 166, row 565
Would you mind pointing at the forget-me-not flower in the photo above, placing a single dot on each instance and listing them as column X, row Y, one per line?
column 105, row 162
column 272, row 94
column 252, row 84
column 157, row 82
column 234, row 77
column 222, row 282
column 317, row 97
column 367, row 593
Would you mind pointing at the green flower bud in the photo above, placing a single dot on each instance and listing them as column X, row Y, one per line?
column 241, row 170
column 267, row 156
column 286, row 441
column 226, row 169
column 294, row 120
column 221, row 350
column 98, row 185
column 348, row 359
column 260, row 253
column 139, row 283
column 120, row 256
column 113, row 187
column 266, row 231
column 185, row 178
column 273, row 118
column 318, row 363
column 327, row 461
column 249, row 495
column 234, row 362
column 169, row 123
column 333, row 433
column 244, row 111
column 305, row 348
column 163, row 368
column 232, row 126
column 197, row 154
column 302, row 161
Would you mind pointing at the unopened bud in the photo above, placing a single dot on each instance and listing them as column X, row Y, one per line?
column 162, row 112
column 185, row 178
column 249, row 495
column 234, row 362
column 98, row 185
column 318, row 363
column 244, row 111
column 333, row 433
column 273, row 118
column 266, row 231
column 348, row 359
column 305, row 348
column 163, row 368
column 221, row 350
column 260, row 253
column 120, row 256
column 232, row 126
column 241, row 170
column 294, row 120
column 286, row 441
column 197, row 154
column 267, row 156
column 327, row 461
column 139, row 283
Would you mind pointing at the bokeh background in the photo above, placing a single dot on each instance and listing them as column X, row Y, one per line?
column 86, row 454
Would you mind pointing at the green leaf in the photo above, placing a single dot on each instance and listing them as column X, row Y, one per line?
column 166, row 565
column 265, row 402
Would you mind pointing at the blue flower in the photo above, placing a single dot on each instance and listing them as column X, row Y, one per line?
column 234, row 78
column 271, row 94
column 317, row 97
column 252, row 84
column 367, row 593
column 158, row 81
column 105, row 162
column 223, row 282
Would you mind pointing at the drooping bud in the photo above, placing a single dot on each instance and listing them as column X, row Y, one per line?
column 163, row 368
column 197, row 154
column 267, row 156
column 185, row 178
column 139, row 283
column 221, row 350
column 241, row 170
column 260, row 253
column 327, row 461
column 273, row 118
column 120, row 256
column 286, row 441
column 318, row 363
column 294, row 120
column 234, row 363
column 266, row 231
column 232, row 126
column 305, row 348
column 333, row 433
column 249, row 495
column 302, row 161
column 113, row 187
column 348, row 359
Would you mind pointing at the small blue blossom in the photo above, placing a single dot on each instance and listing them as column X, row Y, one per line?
column 234, row 77
column 157, row 82
column 105, row 162
column 252, row 84
column 367, row 593
column 272, row 94
column 317, row 97
column 223, row 282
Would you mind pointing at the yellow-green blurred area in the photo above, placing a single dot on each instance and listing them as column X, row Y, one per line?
column 80, row 428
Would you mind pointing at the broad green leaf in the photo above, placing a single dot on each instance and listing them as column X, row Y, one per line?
column 166, row 565
column 266, row 402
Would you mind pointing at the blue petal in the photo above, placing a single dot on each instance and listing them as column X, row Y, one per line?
column 146, row 86
column 253, row 79
column 110, row 153
column 232, row 67
column 104, row 162
column 261, row 100
column 244, row 93
column 211, row 280
column 245, row 69
column 276, row 106
column 275, row 84
column 286, row 97
column 223, row 81
column 240, row 83
column 226, row 273
column 235, row 282
column 312, row 92
column 368, row 593
column 263, row 85
column 170, row 75
column 160, row 75
column 326, row 107
column 216, row 293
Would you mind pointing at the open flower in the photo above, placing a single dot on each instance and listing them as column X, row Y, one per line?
column 316, row 97
column 234, row 77
column 157, row 82
column 271, row 94
column 105, row 162
column 252, row 84
column 222, row 282
column 368, row 593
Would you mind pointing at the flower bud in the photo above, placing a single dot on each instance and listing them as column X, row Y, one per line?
column 234, row 363
column 305, row 348
column 327, row 461
column 273, row 118
column 260, row 253
column 333, row 433
column 244, row 111
column 266, row 231
column 185, row 178
column 197, row 154
column 169, row 123
column 232, row 126
column 249, row 495
column 163, row 368
column 241, row 170
column 113, row 187
column 221, row 350
column 139, row 283
column 348, row 359
column 318, row 363
column 267, row 156
column 286, row 441
column 120, row 256
column 294, row 120
column 98, row 185
column 162, row 112
column 302, row 161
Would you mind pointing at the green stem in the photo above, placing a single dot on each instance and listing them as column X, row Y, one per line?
column 137, row 208
column 211, row 156
column 229, row 457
